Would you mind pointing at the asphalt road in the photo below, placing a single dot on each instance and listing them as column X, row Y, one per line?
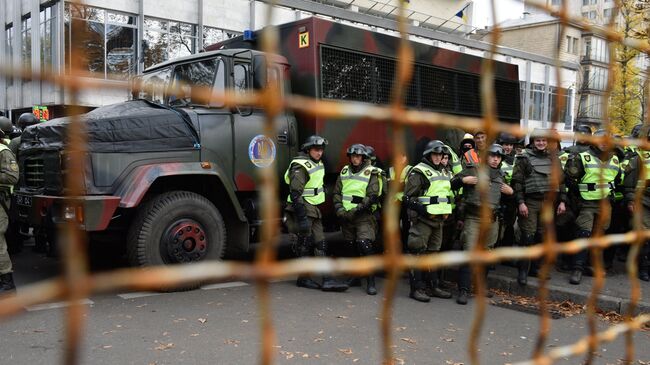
column 219, row 324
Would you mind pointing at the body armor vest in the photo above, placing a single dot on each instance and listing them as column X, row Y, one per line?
column 314, row 191
column 538, row 181
column 438, row 198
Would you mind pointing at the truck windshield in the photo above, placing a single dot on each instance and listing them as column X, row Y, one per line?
column 153, row 85
column 191, row 83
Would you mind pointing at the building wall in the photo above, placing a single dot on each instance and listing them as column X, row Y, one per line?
column 238, row 15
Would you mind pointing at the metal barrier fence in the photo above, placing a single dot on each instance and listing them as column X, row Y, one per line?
column 77, row 283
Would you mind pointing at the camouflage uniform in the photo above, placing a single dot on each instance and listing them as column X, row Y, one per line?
column 356, row 211
column 471, row 208
column 631, row 182
column 8, row 178
column 531, row 183
column 429, row 198
column 583, row 171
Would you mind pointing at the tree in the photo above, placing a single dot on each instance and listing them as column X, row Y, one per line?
column 626, row 97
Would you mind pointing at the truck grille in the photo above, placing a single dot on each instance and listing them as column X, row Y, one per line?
column 34, row 173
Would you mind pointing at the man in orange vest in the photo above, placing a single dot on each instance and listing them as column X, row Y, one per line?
column 468, row 149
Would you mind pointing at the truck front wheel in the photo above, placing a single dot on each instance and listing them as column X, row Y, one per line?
column 176, row 227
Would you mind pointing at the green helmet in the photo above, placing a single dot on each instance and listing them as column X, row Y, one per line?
column 370, row 150
column 313, row 141
column 358, row 149
column 496, row 149
column 434, row 146
column 26, row 119
column 6, row 126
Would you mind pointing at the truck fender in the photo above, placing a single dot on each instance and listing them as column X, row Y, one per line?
column 134, row 187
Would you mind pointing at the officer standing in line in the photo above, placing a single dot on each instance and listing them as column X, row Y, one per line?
column 532, row 184
column 355, row 197
column 471, row 208
column 429, row 197
column 405, row 224
column 306, row 192
column 8, row 178
column 583, row 172
column 508, row 208
column 468, row 151
column 7, row 128
column 25, row 120
column 631, row 181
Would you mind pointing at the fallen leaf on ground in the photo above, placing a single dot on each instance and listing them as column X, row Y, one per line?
column 409, row 340
column 346, row 351
column 164, row 346
column 202, row 320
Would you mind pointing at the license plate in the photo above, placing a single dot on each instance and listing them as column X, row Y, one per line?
column 24, row 200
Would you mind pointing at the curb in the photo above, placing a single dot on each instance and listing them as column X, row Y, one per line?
column 561, row 293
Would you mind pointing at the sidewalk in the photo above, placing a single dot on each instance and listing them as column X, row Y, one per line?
column 614, row 296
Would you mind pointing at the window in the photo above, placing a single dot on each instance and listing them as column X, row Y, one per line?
column 108, row 39
column 215, row 35
column 596, row 78
column 240, row 78
column 607, row 13
column 9, row 29
column 219, row 84
column 26, row 51
column 575, row 45
column 585, row 2
column 592, row 14
column 585, row 15
column 193, row 79
column 164, row 40
column 46, row 31
column 565, row 116
column 536, row 102
column 556, row 2
column 571, row 45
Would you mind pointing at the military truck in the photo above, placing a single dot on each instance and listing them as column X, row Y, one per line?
column 173, row 177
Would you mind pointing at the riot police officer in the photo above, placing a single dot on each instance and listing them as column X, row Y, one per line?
column 355, row 197
column 632, row 170
column 305, row 176
column 7, row 128
column 405, row 224
column 25, row 120
column 8, row 178
column 471, row 208
column 583, row 172
column 429, row 199
column 508, row 209
column 532, row 184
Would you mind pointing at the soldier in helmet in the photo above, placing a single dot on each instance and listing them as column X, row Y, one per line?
column 508, row 207
column 471, row 208
column 595, row 179
column 429, row 198
column 355, row 196
column 532, row 185
column 7, row 128
column 637, row 169
column 306, row 192
column 8, row 178
column 25, row 120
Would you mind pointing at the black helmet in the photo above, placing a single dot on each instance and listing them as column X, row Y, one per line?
column 313, row 141
column 434, row 146
column 370, row 150
column 6, row 126
column 25, row 120
column 636, row 130
column 600, row 132
column 496, row 149
column 506, row 138
column 358, row 149
column 583, row 129
column 15, row 132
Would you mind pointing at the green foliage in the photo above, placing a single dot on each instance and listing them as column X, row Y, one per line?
column 626, row 97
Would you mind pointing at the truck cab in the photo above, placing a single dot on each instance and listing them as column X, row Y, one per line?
column 173, row 172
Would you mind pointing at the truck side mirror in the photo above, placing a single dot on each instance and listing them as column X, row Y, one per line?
column 259, row 72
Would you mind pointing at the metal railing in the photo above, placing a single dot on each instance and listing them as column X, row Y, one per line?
column 77, row 282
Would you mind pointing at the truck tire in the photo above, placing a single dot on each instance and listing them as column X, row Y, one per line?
column 176, row 227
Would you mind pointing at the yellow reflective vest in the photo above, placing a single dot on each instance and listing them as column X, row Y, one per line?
column 353, row 186
column 438, row 198
column 591, row 186
column 314, row 191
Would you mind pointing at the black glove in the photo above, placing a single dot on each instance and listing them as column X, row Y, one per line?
column 340, row 213
column 304, row 227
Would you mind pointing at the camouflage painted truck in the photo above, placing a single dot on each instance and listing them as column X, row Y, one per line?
column 174, row 178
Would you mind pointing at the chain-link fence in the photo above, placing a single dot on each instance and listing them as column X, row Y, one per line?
column 78, row 283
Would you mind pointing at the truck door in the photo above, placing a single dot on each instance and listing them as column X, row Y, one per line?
column 252, row 149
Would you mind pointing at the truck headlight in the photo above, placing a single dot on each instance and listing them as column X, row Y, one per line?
column 73, row 213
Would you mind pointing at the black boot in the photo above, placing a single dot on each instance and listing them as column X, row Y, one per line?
column 417, row 286
column 644, row 275
column 329, row 283
column 432, row 287
column 371, row 289
column 307, row 282
column 576, row 277
column 522, row 275
column 463, row 297
column 464, row 284
column 7, row 283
